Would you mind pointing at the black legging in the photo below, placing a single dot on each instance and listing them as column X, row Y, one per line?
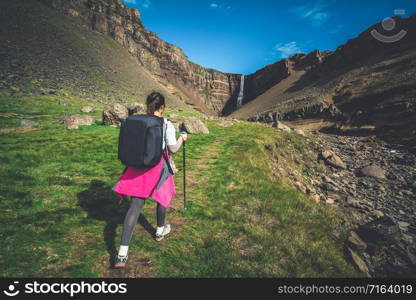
column 132, row 216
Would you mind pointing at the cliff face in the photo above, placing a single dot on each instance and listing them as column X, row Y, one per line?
column 208, row 90
column 366, row 85
column 267, row 77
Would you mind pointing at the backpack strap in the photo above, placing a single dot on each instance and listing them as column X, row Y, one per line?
column 165, row 150
column 165, row 127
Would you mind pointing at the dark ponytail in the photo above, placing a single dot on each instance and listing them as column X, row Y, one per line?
column 154, row 102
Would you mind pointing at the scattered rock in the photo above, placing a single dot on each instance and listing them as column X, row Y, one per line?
column 316, row 198
column 334, row 196
column 62, row 102
column 328, row 180
column 329, row 187
column 406, row 192
column 74, row 121
column 329, row 201
column 355, row 240
column 299, row 186
column 14, row 89
column 359, row 262
column 194, row 125
column 353, row 202
column 379, row 213
column 135, row 108
column 332, row 159
column 299, row 131
column 373, row 171
column 225, row 123
column 310, row 190
column 114, row 113
column 403, row 225
column 279, row 125
column 326, row 154
column 88, row 109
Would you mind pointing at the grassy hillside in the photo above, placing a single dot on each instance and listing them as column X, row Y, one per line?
column 43, row 50
column 60, row 218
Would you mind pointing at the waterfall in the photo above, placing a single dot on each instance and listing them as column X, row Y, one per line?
column 241, row 93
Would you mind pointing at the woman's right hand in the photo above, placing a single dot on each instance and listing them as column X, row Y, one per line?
column 184, row 137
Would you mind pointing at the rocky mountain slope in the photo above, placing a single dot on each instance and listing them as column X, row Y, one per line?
column 373, row 184
column 45, row 52
column 364, row 86
column 206, row 89
column 353, row 86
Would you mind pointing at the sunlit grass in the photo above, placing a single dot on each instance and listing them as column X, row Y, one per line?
column 60, row 217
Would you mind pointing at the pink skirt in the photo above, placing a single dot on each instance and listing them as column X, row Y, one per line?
column 143, row 183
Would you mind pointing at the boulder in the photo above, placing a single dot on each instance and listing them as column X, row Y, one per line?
column 356, row 241
column 88, row 109
column 14, row 89
column 316, row 198
column 328, row 180
column 135, row 108
column 403, row 225
column 194, row 125
column 74, row 121
column 332, row 159
column 378, row 213
column 63, row 102
column 373, row 171
column 279, row 125
column 299, row 131
column 114, row 113
column 300, row 187
column 225, row 123
column 359, row 262
column 329, row 201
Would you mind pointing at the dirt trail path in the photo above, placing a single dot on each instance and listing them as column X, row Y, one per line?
column 140, row 264
column 197, row 170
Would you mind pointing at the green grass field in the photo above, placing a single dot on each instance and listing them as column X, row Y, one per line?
column 59, row 217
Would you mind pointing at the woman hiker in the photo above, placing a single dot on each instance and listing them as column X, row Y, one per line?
column 156, row 182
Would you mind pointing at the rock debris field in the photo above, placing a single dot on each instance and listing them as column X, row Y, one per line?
column 374, row 185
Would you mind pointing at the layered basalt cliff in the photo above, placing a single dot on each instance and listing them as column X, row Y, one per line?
column 209, row 90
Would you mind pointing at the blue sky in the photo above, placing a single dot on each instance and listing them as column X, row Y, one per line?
column 242, row 36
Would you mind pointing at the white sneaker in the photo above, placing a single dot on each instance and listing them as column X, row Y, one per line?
column 166, row 230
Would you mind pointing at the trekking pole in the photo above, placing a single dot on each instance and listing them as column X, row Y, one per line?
column 184, row 172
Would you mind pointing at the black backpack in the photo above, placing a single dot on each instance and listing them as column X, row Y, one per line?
column 140, row 141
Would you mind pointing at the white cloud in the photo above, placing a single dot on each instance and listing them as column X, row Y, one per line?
column 219, row 6
column 141, row 3
column 146, row 3
column 314, row 12
column 286, row 49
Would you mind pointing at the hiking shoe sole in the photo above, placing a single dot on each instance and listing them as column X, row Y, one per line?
column 120, row 262
column 165, row 232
